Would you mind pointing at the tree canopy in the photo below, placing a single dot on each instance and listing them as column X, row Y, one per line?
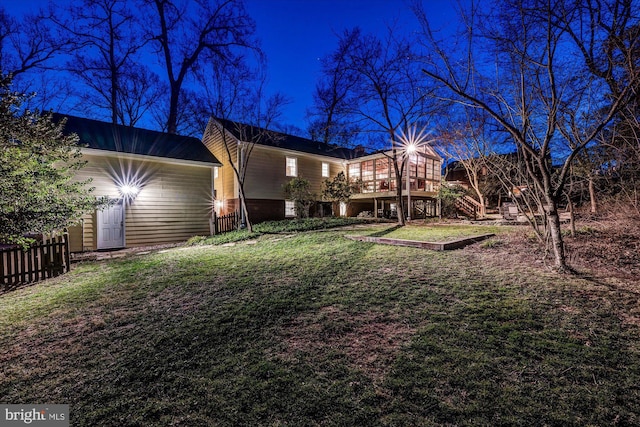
column 38, row 193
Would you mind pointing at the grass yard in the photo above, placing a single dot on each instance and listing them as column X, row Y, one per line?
column 314, row 329
column 437, row 232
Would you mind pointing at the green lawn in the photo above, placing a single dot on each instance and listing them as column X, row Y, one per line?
column 437, row 232
column 316, row 329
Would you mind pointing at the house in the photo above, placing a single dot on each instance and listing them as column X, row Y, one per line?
column 378, row 183
column 271, row 159
column 161, row 186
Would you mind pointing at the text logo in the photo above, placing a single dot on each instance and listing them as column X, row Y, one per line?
column 34, row 415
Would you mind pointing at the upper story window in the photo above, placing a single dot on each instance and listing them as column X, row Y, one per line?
column 292, row 166
column 354, row 171
column 325, row 170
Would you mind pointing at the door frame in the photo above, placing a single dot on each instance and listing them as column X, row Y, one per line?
column 99, row 216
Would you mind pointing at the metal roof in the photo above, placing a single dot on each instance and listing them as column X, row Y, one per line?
column 126, row 139
column 247, row 133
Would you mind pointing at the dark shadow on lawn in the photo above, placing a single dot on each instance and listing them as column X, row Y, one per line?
column 386, row 231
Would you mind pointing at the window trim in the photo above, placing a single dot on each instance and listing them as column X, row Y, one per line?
column 294, row 167
column 290, row 207
column 326, row 170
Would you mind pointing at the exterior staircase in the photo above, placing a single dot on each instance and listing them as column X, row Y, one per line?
column 470, row 207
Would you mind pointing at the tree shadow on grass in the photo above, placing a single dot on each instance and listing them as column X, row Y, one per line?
column 386, row 231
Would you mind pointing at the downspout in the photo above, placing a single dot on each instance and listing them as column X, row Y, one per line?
column 213, row 202
column 240, row 199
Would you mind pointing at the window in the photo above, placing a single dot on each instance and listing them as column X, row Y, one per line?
column 422, row 163
column 325, row 170
column 382, row 174
column 292, row 166
column 431, row 169
column 354, row 171
column 367, row 176
column 343, row 209
column 289, row 208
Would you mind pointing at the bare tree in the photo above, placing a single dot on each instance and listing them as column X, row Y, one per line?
column 27, row 44
column 382, row 94
column 187, row 32
column 106, row 40
column 333, row 97
column 533, row 66
column 29, row 50
column 466, row 144
column 138, row 91
column 242, row 115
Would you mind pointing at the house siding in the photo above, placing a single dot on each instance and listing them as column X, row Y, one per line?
column 225, row 185
column 265, row 177
column 174, row 202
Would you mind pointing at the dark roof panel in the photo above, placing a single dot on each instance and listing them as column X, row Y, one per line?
column 247, row 133
column 125, row 139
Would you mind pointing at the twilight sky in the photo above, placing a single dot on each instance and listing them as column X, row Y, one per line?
column 295, row 34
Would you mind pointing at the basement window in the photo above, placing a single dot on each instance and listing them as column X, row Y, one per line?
column 289, row 208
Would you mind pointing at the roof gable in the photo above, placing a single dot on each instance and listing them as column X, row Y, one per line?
column 125, row 139
column 247, row 133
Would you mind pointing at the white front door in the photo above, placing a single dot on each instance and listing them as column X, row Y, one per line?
column 111, row 226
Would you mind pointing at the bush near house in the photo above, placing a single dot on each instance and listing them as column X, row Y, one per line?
column 37, row 165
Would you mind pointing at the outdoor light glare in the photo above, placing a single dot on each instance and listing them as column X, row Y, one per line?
column 128, row 190
column 410, row 141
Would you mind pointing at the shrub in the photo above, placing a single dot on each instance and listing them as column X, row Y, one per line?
column 220, row 239
column 306, row 224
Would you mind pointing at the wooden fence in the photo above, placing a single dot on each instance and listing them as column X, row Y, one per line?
column 224, row 223
column 44, row 259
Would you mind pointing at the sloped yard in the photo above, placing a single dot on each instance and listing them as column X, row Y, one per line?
column 316, row 329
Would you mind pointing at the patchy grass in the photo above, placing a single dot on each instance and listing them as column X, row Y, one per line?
column 314, row 329
column 436, row 232
column 491, row 243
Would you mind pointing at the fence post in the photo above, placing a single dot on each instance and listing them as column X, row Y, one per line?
column 67, row 256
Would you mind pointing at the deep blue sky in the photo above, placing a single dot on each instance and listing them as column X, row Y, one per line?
column 295, row 34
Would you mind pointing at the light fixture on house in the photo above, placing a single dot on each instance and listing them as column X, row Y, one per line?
column 410, row 141
column 129, row 191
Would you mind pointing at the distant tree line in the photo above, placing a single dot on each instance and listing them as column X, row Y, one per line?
column 161, row 62
column 556, row 82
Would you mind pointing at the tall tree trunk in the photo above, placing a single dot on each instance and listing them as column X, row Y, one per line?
column 592, row 195
column 399, row 200
column 555, row 232
column 243, row 208
column 172, row 120
column 572, row 217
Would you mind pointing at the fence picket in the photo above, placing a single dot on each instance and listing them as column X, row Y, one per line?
column 42, row 260
column 225, row 223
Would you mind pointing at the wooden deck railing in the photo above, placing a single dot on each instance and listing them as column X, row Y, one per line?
column 470, row 206
column 42, row 260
